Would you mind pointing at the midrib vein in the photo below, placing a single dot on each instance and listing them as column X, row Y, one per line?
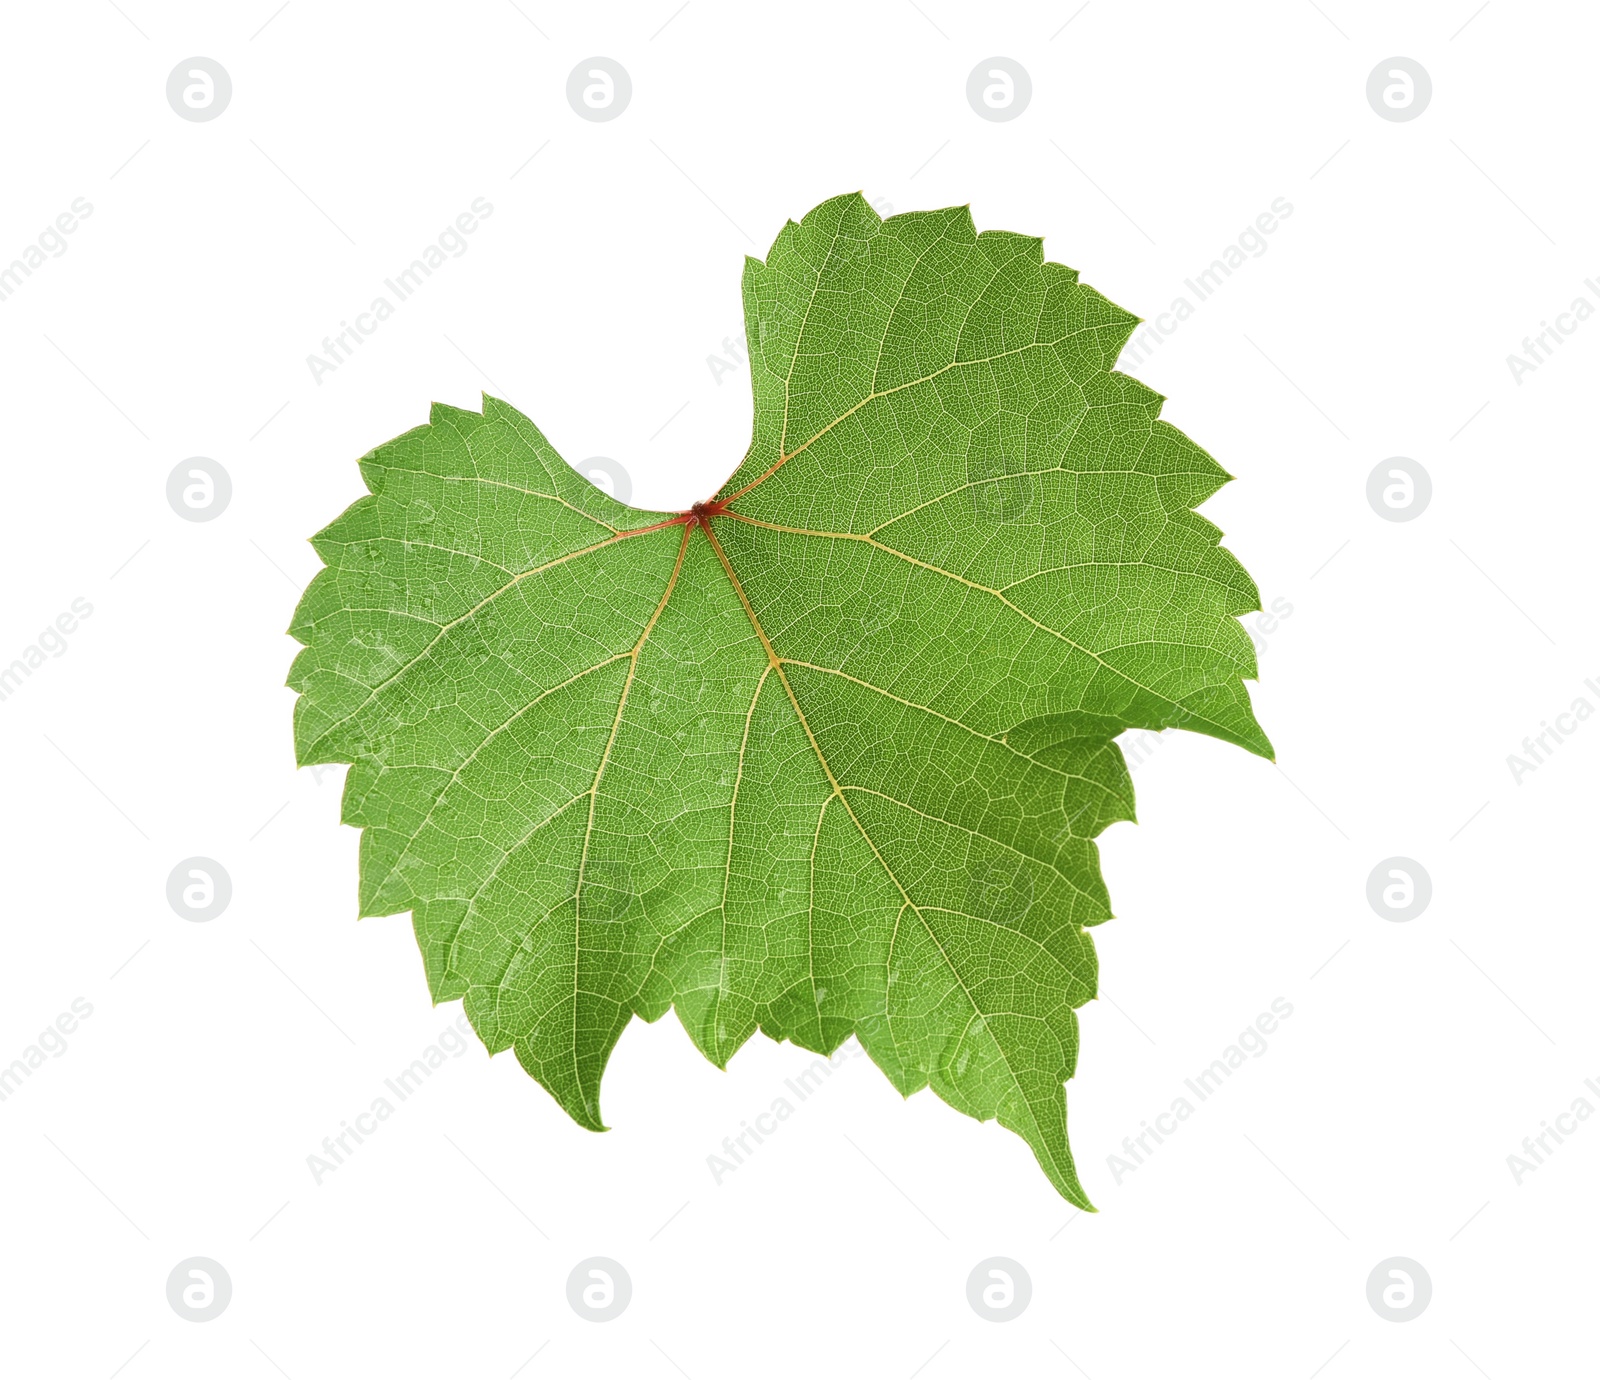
column 776, row 663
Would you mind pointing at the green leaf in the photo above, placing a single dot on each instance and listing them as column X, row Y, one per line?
column 826, row 753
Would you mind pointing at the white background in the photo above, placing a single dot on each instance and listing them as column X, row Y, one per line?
column 1417, row 657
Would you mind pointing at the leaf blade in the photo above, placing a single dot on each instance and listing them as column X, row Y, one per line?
column 825, row 756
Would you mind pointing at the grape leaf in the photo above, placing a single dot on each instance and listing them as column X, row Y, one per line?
column 826, row 753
